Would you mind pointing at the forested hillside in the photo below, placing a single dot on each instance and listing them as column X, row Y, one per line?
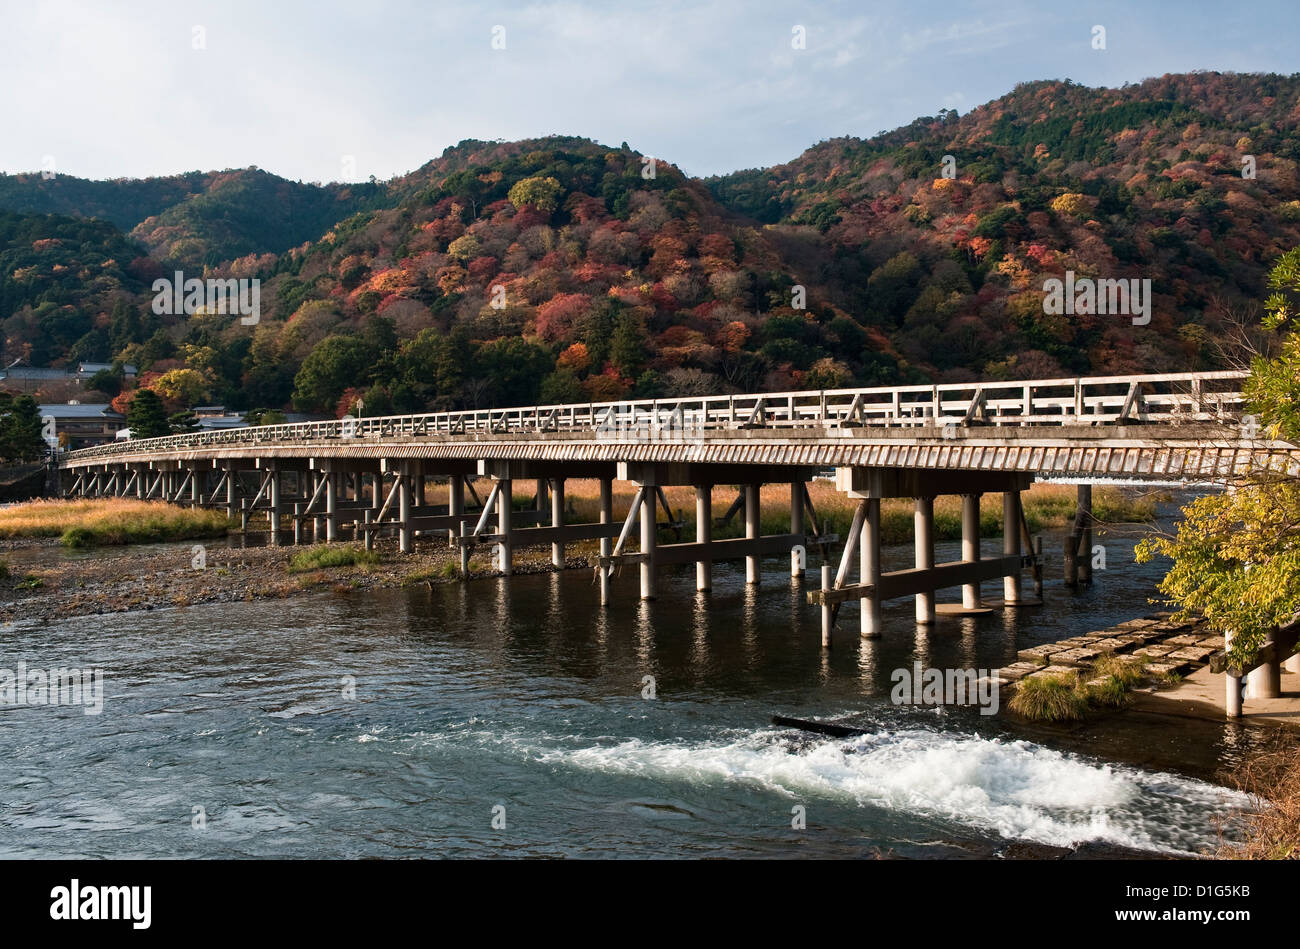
column 561, row 269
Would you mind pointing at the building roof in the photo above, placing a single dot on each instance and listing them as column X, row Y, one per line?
column 35, row 372
column 221, row 421
column 90, row 368
column 84, row 410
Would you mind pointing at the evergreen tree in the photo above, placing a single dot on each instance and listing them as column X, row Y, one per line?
column 21, row 438
column 183, row 422
column 146, row 417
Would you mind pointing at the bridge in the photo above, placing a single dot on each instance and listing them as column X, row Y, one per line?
column 367, row 477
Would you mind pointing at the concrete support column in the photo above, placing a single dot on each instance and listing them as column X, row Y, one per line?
column 704, row 535
column 970, row 547
column 1292, row 664
column 751, row 531
column 505, row 499
column 869, row 569
column 331, row 506
column 455, row 500
column 1265, row 682
column 606, row 543
column 796, row 528
column 557, row 520
column 419, row 484
column 232, row 480
column 405, row 495
column 1085, row 557
column 141, row 475
column 923, row 535
column 1232, row 686
column 826, row 608
column 275, row 507
column 377, row 489
column 1011, row 544
column 317, row 522
column 649, row 531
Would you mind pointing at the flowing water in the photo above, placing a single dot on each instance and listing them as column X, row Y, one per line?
column 232, row 730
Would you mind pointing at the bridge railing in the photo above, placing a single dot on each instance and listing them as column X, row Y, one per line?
column 1168, row 399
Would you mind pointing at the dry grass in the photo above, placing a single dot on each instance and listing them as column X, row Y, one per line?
column 89, row 522
column 1273, row 826
column 1050, row 698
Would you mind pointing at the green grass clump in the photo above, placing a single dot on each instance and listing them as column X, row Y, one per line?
column 1127, row 670
column 1119, row 674
column 1044, row 698
column 1109, row 693
column 330, row 555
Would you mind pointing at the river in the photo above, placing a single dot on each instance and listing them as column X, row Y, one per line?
column 513, row 718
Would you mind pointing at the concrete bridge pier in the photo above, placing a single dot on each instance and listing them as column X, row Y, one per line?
column 649, row 538
column 557, row 519
column 923, row 535
column 505, row 503
column 798, row 555
column 406, row 532
column 455, row 505
column 869, row 486
column 970, row 547
column 317, row 522
column 274, row 503
column 1011, row 545
column 1265, row 681
column 232, row 486
column 606, row 542
column 870, row 622
column 704, row 536
column 752, row 520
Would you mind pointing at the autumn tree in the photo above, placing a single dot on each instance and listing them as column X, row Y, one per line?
column 540, row 193
column 1236, row 555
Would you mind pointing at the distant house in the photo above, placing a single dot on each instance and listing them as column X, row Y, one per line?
column 208, row 422
column 23, row 377
column 82, row 425
column 87, row 369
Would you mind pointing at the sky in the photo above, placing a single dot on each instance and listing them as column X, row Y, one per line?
column 341, row 91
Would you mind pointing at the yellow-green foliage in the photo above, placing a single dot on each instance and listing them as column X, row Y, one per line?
column 1237, row 555
column 331, row 555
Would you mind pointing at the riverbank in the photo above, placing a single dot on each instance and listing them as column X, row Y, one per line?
column 147, row 579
